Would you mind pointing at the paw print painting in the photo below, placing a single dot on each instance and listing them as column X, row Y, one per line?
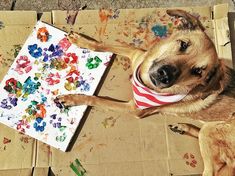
column 43, row 34
column 93, row 63
column 47, row 66
column 39, row 124
column 8, row 103
column 190, row 160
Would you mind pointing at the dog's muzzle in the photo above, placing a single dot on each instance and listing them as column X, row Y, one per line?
column 163, row 76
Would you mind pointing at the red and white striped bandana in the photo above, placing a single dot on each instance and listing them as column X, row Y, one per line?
column 146, row 98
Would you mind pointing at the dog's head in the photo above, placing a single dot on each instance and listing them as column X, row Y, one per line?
column 184, row 61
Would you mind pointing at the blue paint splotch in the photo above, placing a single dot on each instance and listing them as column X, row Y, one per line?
column 159, row 30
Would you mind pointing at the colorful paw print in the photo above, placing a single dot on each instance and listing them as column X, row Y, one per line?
column 54, row 51
column 35, row 51
column 8, row 103
column 93, row 62
column 30, row 87
column 13, row 87
column 71, row 58
column 22, row 124
column 58, row 64
column 72, row 79
column 83, row 84
column 64, row 44
column 53, row 78
column 190, row 159
column 61, row 138
column 35, row 110
column 55, row 121
column 43, row 34
column 23, row 65
column 39, row 124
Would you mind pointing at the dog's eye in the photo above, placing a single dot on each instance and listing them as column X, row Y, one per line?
column 183, row 45
column 196, row 71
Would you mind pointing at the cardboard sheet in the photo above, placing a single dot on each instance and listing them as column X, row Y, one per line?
column 110, row 143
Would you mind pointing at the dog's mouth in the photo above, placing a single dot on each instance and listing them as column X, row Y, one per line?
column 163, row 76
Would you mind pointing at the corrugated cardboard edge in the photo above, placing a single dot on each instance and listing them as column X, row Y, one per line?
column 231, row 22
column 221, row 32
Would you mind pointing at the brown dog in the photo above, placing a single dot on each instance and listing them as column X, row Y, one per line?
column 182, row 73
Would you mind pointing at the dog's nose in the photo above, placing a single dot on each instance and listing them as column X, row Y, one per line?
column 166, row 75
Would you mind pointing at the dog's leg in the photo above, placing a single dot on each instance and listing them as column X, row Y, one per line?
column 105, row 103
column 207, row 158
column 225, row 170
column 84, row 41
column 185, row 129
column 207, row 151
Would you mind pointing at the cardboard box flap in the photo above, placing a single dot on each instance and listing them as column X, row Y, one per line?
column 231, row 19
column 46, row 17
column 18, row 17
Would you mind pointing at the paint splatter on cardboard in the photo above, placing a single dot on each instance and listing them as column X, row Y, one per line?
column 109, row 122
column 6, row 140
column 77, row 168
column 190, row 160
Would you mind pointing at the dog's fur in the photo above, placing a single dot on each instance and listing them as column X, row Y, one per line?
column 208, row 83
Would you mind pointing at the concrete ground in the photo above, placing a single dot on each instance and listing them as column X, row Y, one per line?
column 47, row 5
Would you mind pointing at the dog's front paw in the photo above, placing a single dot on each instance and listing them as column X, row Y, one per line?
column 73, row 37
column 179, row 128
column 82, row 40
column 71, row 99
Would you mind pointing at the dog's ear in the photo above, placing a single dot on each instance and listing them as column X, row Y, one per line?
column 217, row 78
column 188, row 21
